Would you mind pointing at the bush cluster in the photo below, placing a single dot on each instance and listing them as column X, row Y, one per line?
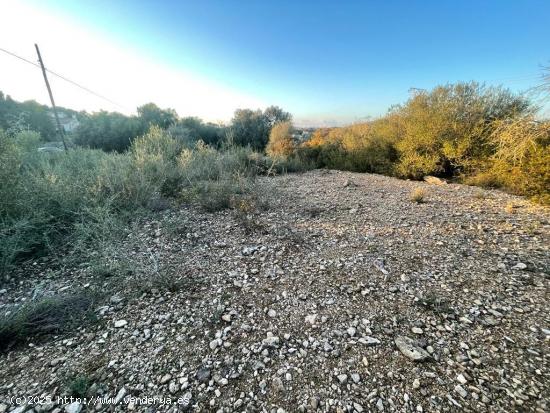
column 51, row 200
column 475, row 134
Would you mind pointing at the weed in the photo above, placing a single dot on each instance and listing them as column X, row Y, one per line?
column 510, row 207
column 79, row 386
column 418, row 195
column 45, row 316
column 435, row 303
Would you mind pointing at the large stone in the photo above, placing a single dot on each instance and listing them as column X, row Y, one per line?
column 369, row 341
column 408, row 347
column 432, row 180
column 120, row 323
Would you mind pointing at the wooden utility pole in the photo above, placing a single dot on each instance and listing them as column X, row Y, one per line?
column 59, row 128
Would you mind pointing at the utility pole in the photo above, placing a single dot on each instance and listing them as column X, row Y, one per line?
column 59, row 128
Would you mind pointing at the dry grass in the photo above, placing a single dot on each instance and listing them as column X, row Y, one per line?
column 510, row 207
column 50, row 315
column 418, row 195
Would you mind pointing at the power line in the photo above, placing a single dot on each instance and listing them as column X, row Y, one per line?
column 64, row 78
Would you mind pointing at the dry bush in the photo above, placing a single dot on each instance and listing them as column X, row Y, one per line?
column 45, row 316
column 521, row 162
column 280, row 142
column 418, row 195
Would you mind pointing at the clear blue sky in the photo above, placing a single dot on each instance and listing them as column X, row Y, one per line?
column 338, row 60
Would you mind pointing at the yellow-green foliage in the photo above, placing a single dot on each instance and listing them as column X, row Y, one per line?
column 483, row 136
column 521, row 162
column 360, row 147
column 280, row 140
column 446, row 131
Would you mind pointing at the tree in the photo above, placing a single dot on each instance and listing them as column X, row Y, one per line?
column 280, row 142
column 190, row 130
column 21, row 116
column 151, row 114
column 249, row 127
column 274, row 114
column 109, row 131
column 252, row 127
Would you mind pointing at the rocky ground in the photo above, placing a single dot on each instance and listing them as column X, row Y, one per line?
column 343, row 295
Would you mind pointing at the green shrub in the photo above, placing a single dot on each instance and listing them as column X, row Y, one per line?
column 521, row 162
column 479, row 135
column 84, row 198
column 447, row 131
column 358, row 148
column 79, row 386
column 45, row 195
column 216, row 195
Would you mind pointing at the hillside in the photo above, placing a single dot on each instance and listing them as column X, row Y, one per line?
column 307, row 303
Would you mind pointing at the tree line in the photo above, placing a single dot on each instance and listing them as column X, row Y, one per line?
column 112, row 131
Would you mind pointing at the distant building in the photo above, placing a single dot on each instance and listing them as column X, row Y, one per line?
column 68, row 122
column 301, row 135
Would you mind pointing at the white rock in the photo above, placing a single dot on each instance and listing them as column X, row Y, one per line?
column 271, row 313
column 120, row 323
column 369, row 341
column 74, row 407
column 173, row 387
column 460, row 390
column 408, row 348
column 120, row 395
column 271, row 341
column 165, row 379
column 461, row 379
column 311, row 318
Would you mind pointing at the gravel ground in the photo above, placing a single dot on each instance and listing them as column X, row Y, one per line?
column 342, row 296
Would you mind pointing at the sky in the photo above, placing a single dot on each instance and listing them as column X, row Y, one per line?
column 327, row 63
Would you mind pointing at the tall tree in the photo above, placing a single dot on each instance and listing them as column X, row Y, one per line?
column 252, row 127
column 151, row 114
column 274, row 114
